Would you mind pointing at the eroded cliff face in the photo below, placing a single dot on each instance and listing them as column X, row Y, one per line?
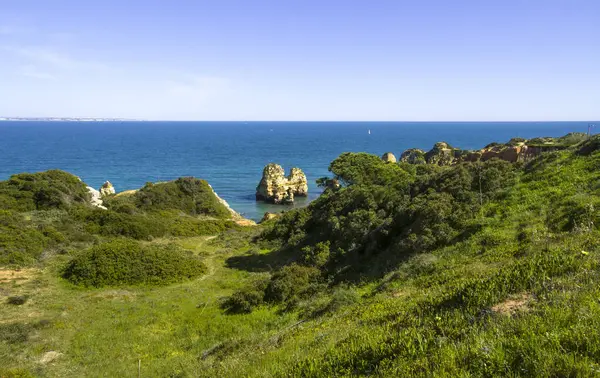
column 275, row 187
column 516, row 150
column 297, row 181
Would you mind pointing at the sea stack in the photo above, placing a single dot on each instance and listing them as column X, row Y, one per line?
column 275, row 187
column 107, row 189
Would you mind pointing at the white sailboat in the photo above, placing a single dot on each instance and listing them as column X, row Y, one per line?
column 369, row 131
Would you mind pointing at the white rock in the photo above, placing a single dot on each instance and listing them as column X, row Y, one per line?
column 107, row 189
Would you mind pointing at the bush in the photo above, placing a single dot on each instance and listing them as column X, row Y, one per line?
column 291, row 283
column 16, row 333
column 110, row 223
column 125, row 262
column 188, row 194
column 144, row 226
column 342, row 296
column 317, row 255
column 362, row 168
column 52, row 189
column 323, row 303
column 245, row 300
column 17, row 300
column 21, row 243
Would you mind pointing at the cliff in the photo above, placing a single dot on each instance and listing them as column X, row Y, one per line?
column 515, row 150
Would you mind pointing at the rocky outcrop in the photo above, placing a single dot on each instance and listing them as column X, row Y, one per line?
column 413, row 156
column 275, row 187
column 441, row 154
column 297, row 181
column 268, row 216
column 509, row 153
column 107, row 189
column 388, row 157
column 96, row 198
column 516, row 150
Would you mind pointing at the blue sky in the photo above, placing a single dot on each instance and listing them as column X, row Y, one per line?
column 418, row 60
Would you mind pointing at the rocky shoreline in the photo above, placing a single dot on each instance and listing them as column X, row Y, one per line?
column 277, row 188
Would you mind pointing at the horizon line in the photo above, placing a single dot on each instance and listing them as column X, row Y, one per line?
column 108, row 119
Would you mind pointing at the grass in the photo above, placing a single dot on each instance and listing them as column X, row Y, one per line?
column 518, row 296
column 104, row 332
column 432, row 314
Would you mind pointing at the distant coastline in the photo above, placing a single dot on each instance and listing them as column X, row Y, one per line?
column 61, row 119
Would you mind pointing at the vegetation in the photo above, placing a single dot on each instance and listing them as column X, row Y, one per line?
column 476, row 269
column 52, row 189
column 388, row 216
column 188, row 194
column 21, row 241
column 123, row 262
column 43, row 213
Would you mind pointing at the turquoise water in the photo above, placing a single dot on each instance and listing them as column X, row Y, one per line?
column 229, row 155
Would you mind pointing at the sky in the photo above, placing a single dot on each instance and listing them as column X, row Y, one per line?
column 342, row 60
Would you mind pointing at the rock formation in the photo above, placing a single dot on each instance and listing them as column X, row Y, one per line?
column 275, row 187
column 413, row 156
column 441, row 154
column 107, row 189
column 96, row 198
column 388, row 157
column 297, row 180
column 268, row 216
column 516, row 150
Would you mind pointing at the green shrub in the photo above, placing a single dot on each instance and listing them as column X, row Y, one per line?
column 188, row 194
column 17, row 300
column 362, row 168
column 52, row 189
column 111, row 223
column 144, row 226
column 246, row 299
column 121, row 204
column 16, row 333
column 342, row 296
column 243, row 301
column 291, row 283
column 125, row 262
column 317, row 255
column 21, row 242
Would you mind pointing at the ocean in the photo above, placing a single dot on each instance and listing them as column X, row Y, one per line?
column 230, row 155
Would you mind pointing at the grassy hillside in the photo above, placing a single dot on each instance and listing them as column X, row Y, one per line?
column 48, row 213
column 478, row 269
